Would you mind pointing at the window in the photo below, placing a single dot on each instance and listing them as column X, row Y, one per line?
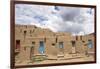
column 56, row 40
column 41, row 47
column 80, row 37
column 83, row 41
column 35, row 27
column 90, row 44
column 60, row 44
column 76, row 37
column 53, row 44
column 24, row 32
column 33, row 43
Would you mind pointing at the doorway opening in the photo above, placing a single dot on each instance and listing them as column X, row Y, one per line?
column 41, row 47
column 17, row 44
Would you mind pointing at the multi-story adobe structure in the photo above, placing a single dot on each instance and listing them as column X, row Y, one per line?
column 31, row 41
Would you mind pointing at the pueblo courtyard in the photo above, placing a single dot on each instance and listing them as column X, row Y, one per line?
column 35, row 45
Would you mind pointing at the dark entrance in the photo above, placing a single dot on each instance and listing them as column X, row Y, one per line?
column 17, row 44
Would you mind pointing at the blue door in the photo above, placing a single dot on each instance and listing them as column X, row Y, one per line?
column 61, row 45
column 90, row 44
column 41, row 47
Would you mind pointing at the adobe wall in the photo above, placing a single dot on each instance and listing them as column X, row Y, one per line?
column 30, row 36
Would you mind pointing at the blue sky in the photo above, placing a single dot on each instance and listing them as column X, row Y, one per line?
column 78, row 21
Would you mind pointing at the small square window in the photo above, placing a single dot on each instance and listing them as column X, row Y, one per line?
column 53, row 44
column 83, row 41
column 25, row 32
column 33, row 43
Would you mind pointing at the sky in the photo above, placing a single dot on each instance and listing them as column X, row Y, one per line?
column 75, row 20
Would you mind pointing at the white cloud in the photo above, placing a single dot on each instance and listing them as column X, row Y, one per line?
column 78, row 21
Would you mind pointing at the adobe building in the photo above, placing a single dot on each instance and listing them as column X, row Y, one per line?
column 31, row 41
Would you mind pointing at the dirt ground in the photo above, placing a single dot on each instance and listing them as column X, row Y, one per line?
column 54, row 59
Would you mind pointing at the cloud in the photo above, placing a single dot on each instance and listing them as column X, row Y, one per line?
column 69, row 14
column 78, row 21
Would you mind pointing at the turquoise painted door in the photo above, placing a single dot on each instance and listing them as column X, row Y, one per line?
column 61, row 45
column 41, row 47
column 61, row 49
column 90, row 44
